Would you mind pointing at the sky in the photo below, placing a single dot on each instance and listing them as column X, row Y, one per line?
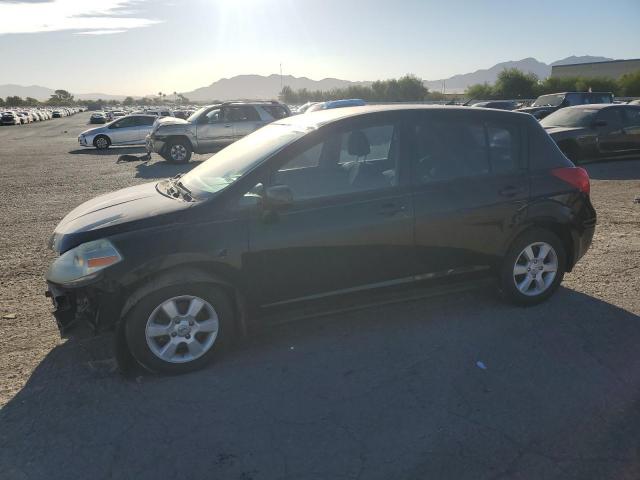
column 140, row 47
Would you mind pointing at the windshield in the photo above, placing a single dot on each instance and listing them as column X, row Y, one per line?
column 196, row 114
column 226, row 166
column 551, row 100
column 569, row 117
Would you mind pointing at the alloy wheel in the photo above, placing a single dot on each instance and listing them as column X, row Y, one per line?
column 178, row 152
column 535, row 269
column 182, row 329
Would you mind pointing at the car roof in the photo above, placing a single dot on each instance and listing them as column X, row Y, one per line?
column 597, row 106
column 582, row 93
column 322, row 117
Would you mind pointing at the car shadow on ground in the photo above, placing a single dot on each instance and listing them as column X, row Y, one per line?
column 459, row 386
column 614, row 170
column 109, row 151
column 162, row 169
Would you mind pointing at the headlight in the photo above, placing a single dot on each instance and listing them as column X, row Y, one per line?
column 83, row 262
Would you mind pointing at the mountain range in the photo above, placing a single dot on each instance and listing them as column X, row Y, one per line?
column 265, row 87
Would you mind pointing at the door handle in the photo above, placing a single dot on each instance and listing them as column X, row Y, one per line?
column 510, row 191
column 390, row 209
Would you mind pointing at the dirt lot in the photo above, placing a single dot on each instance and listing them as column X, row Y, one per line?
column 389, row 392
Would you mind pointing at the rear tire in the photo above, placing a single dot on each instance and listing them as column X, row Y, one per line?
column 101, row 142
column 178, row 151
column 533, row 267
column 194, row 322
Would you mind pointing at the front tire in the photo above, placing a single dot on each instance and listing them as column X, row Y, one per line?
column 178, row 329
column 533, row 268
column 178, row 151
column 101, row 142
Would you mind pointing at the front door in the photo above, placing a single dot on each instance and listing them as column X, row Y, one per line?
column 470, row 189
column 610, row 134
column 123, row 131
column 631, row 129
column 351, row 221
column 214, row 131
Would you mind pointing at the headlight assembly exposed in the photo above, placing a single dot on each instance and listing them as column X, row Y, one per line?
column 83, row 262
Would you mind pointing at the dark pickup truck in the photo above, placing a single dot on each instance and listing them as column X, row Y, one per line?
column 546, row 104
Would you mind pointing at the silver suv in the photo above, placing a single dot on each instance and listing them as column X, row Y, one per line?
column 211, row 128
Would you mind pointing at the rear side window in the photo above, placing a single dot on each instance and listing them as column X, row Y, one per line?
column 450, row 148
column 504, row 147
column 145, row 121
column 276, row 111
column 241, row 114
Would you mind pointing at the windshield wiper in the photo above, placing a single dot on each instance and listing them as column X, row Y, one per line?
column 175, row 189
column 186, row 193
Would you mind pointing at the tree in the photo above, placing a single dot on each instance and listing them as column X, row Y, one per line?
column 61, row 97
column 513, row 83
column 1, row 102
column 14, row 101
column 629, row 84
column 128, row 101
column 480, row 91
column 32, row 102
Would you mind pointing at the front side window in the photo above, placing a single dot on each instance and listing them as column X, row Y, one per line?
column 214, row 116
column 124, row 123
column 632, row 118
column 612, row 117
column 344, row 161
column 145, row 121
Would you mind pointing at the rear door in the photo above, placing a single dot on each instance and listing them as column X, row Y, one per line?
column 144, row 124
column 470, row 188
column 245, row 119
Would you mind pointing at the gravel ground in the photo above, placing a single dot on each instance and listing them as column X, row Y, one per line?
column 456, row 386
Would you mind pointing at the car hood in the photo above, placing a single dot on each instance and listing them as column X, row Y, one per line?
column 171, row 121
column 134, row 207
column 93, row 131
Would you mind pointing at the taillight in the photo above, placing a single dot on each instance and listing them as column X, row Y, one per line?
column 576, row 176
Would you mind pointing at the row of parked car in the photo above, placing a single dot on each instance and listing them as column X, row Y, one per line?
column 585, row 125
column 21, row 116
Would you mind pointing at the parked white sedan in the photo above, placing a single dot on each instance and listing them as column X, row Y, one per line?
column 129, row 130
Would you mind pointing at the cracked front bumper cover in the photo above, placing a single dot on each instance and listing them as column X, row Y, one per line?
column 82, row 309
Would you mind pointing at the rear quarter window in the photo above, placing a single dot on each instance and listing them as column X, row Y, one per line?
column 544, row 154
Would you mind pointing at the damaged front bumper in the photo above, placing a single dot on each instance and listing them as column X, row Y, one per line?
column 83, row 310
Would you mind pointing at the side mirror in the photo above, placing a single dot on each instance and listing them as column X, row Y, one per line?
column 278, row 196
column 599, row 123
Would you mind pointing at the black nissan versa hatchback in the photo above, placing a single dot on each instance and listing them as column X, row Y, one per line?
column 318, row 205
